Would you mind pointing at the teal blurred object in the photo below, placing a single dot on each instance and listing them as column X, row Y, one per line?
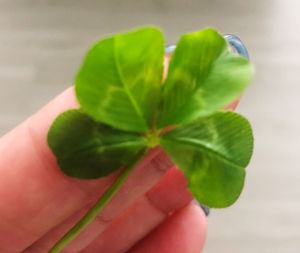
column 237, row 44
column 234, row 41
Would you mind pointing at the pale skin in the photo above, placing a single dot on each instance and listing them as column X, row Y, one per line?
column 39, row 203
column 153, row 212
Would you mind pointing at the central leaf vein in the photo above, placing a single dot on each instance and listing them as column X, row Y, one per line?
column 126, row 88
column 104, row 147
column 202, row 146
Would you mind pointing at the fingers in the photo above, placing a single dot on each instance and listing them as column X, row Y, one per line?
column 169, row 194
column 36, row 196
column 182, row 232
column 29, row 179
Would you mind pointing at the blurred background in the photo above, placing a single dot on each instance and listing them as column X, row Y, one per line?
column 42, row 43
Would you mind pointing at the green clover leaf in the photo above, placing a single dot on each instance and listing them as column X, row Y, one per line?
column 119, row 80
column 91, row 149
column 213, row 153
column 203, row 77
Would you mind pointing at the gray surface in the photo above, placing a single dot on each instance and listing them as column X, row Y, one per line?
column 41, row 45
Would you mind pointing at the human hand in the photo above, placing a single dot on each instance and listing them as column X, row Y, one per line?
column 152, row 213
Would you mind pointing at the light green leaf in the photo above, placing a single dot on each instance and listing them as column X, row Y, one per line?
column 87, row 149
column 213, row 153
column 119, row 81
column 203, row 77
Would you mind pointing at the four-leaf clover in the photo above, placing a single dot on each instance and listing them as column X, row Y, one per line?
column 126, row 106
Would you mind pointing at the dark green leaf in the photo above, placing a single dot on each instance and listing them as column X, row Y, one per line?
column 203, row 77
column 213, row 153
column 119, row 81
column 88, row 149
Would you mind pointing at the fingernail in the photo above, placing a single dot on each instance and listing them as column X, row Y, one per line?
column 234, row 41
column 237, row 45
column 205, row 209
column 169, row 49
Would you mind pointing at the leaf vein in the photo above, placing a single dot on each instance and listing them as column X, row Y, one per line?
column 126, row 88
column 202, row 146
column 105, row 147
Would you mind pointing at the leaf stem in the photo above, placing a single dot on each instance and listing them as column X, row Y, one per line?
column 97, row 208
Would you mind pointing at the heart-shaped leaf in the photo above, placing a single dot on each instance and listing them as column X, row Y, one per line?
column 203, row 77
column 119, row 81
column 87, row 149
column 213, row 153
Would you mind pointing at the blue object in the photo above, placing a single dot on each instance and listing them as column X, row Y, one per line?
column 233, row 41
column 237, row 44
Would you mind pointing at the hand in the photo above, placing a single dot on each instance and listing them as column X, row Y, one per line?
column 152, row 213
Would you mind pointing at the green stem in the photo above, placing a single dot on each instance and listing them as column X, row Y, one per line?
column 96, row 209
